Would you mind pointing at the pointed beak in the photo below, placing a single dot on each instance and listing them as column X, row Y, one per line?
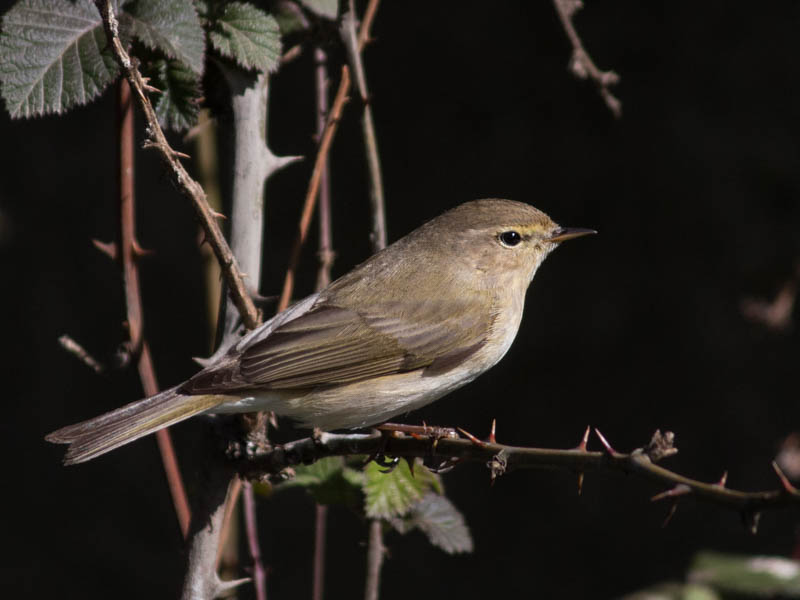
column 567, row 233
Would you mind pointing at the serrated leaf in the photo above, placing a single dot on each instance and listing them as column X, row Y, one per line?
column 391, row 494
column 324, row 8
column 52, row 56
column 328, row 481
column 290, row 17
column 440, row 521
column 248, row 35
column 177, row 105
column 171, row 26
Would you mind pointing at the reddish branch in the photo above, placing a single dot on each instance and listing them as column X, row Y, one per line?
column 128, row 252
column 581, row 64
column 188, row 186
column 322, row 153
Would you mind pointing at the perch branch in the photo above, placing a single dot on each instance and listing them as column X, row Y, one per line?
column 188, row 186
column 581, row 64
column 322, row 153
column 445, row 446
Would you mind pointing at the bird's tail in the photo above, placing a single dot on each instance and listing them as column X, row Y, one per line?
column 92, row 438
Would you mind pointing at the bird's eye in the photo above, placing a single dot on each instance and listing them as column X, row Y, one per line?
column 510, row 238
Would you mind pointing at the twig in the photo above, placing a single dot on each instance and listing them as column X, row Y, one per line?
column 251, row 526
column 188, row 186
column 375, row 554
column 320, row 530
column 80, row 353
column 128, row 251
column 348, row 33
column 581, row 64
column 501, row 459
column 322, row 153
column 326, row 257
column 326, row 253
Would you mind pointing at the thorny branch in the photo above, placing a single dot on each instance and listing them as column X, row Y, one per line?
column 442, row 446
column 188, row 186
column 581, row 64
column 322, row 153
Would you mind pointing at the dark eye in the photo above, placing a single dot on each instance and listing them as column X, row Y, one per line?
column 510, row 238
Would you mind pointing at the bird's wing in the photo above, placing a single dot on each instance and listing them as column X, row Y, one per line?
column 331, row 345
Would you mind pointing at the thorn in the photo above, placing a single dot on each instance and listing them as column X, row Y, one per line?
column 787, row 485
column 750, row 519
column 609, row 450
column 140, row 252
column 580, row 483
column 285, row 161
column 177, row 154
column 585, row 439
column 472, row 438
column 679, row 490
column 224, row 586
column 492, row 438
column 107, row 248
column 670, row 514
column 722, row 480
column 217, row 215
column 147, row 87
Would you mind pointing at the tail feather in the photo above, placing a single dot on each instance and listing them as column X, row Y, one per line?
column 92, row 438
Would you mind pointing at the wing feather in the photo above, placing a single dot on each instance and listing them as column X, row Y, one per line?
column 334, row 345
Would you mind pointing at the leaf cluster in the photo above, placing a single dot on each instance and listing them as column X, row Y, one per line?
column 54, row 54
column 402, row 498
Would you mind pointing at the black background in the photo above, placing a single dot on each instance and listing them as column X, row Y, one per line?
column 694, row 192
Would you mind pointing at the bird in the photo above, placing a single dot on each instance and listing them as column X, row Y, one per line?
column 415, row 321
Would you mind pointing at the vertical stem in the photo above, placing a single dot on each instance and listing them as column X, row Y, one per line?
column 251, row 526
column 326, row 254
column 320, row 530
column 128, row 252
column 377, row 205
column 375, row 554
column 207, row 165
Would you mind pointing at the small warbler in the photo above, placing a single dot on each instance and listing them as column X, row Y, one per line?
column 416, row 321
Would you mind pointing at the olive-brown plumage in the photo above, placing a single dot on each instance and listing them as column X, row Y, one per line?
column 415, row 321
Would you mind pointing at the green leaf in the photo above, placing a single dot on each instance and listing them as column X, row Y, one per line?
column 329, row 481
column 323, row 8
column 177, row 104
column 171, row 26
column 392, row 494
column 750, row 576
column 440, row 520
column 671, row 590
column 52, row 56
column 248, row 35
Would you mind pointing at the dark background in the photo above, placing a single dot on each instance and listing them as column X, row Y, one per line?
column 694, row 192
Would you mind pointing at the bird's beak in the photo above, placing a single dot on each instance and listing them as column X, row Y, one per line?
column 567, row 233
